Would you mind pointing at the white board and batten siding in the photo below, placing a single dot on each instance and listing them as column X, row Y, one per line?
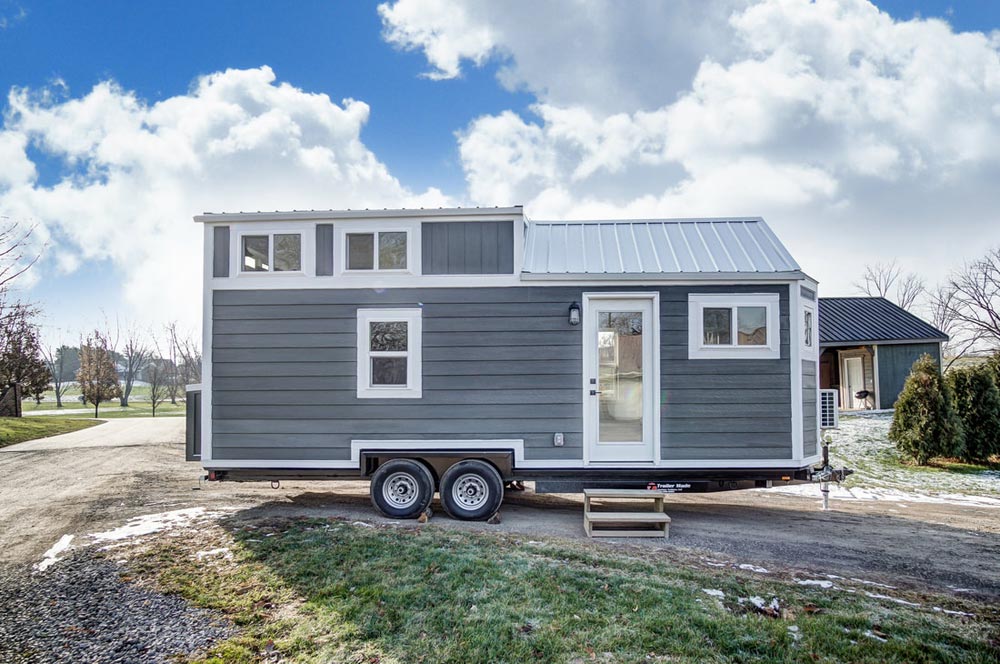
column 501, row 365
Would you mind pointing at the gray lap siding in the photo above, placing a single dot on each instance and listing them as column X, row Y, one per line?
column 809, row 397
column 497, row 363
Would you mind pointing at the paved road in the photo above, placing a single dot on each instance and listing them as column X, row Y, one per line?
column 100, row 477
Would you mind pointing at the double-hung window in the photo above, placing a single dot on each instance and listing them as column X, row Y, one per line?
column 389, row 353
column 377, row 250
column 271, row 252
column 733, row 326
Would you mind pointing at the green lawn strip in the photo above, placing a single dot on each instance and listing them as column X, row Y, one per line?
column 112, row 409
column 15, row 430
column 331, row 591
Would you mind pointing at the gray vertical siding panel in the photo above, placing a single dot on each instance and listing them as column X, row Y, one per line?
column 324, row 250
column 220, row 251
column 466, row 247
column 498, row 363
column 894, row 364
column 809, row 396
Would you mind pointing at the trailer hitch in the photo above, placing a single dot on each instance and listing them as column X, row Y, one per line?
column 827, row 474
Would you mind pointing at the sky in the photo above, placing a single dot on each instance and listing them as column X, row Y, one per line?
column 862, row 133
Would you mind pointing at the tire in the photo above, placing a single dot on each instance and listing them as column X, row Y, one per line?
column 471, row 490
column 402, row 489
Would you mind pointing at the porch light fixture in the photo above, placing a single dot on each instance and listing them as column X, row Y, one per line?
column 574, row 313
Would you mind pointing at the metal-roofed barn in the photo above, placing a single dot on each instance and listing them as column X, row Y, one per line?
column 868, row 346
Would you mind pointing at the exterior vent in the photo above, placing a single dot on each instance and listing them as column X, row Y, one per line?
column 829, row 412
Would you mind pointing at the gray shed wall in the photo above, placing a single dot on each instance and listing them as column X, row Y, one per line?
column 497, row 363
column 894, row 364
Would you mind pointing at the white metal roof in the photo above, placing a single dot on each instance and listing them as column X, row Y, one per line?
column 655, row 247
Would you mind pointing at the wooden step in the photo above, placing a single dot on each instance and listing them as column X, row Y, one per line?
column 623, row 517
column 623, row 493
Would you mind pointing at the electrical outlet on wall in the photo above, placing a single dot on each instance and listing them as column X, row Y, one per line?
column 559, row 439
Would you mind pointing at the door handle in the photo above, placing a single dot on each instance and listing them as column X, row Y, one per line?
column 594, row 393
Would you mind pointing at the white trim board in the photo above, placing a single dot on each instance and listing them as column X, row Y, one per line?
column 514, row 445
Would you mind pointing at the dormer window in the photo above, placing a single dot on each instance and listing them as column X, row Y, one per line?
column 273, row 252
column 378, row 250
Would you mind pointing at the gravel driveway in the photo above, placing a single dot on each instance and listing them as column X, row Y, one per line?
column 98, row 478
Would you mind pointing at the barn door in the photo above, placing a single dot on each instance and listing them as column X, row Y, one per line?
column 621, row 378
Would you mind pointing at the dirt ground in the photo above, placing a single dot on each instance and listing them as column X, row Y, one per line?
column 99, row 478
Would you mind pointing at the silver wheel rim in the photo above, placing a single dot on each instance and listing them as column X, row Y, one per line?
column 400, row 490
column 470, row 491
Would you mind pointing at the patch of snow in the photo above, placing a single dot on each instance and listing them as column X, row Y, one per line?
column 872, row 635
column 862, row 444
column 362, row 523
column 148, row 524
column 794, row 631
column 954, row 613
column 753, row 568
column 713, row 593
column 822, row 583
column 760, row 603
column 51, row 557
column 211, row 553
column 961, row 590
column 891, row 599
column 876, row 584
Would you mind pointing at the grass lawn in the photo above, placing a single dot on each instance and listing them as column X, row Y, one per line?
column 108, row 409
column 331, row 591
column 19, row 429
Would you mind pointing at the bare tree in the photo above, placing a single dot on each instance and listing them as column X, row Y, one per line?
column 98, row 376
column 909, row 288
column 878, row 280
column 974, row 303
column 14, row 260
column 58, row 362
column 960, row 340
column 887, row 280
column 185, row 358
column 157, row 375
column 135, row 354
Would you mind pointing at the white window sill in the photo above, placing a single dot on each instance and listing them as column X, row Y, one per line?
column 388, row 393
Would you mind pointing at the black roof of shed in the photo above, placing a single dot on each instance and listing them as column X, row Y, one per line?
column 870, row 320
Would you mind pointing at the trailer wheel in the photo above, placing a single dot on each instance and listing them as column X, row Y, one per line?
column 471, row 490
column 402, row 488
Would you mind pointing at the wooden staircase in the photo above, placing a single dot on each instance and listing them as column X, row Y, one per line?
column 625, row 523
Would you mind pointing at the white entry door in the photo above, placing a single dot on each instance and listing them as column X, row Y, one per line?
column 854, row 380
column 621, row 378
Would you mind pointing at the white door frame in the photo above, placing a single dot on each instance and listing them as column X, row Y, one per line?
column 650, row 301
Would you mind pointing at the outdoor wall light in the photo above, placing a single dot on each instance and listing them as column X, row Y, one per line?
column 574, row 313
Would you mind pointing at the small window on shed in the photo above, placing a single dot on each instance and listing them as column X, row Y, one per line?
column 389, row 353
column 287, row 252
column 807, row 328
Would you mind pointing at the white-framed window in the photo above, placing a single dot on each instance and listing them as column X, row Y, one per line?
column 389, row 353
column 733, row 326
column 377, row 250
column 265, row 251
column 810, row 333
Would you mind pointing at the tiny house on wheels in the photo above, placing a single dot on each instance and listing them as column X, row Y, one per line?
column 456, row 350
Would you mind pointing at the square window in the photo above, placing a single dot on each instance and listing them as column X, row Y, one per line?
column 287, row 252
column 751, row 326
column 387, row 336
column 718, row 325
column 388, row 371
column 360, row 251
column 255, row 253
column 392, row 251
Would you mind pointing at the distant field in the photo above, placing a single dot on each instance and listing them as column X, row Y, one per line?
column 108, row 409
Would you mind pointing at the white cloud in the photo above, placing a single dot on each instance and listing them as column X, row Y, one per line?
column 858, row 136
column 133, row 174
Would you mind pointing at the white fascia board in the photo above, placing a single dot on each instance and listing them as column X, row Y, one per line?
column 452, row 214
column 679, row 278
